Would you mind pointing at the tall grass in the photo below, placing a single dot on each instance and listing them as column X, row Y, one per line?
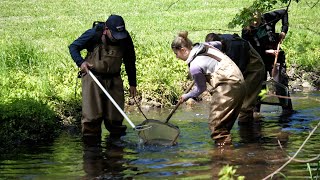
column 35, row 35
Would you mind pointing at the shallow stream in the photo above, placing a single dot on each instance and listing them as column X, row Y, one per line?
column 255, row 151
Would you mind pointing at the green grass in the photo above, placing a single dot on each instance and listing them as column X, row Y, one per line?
column 35, row 36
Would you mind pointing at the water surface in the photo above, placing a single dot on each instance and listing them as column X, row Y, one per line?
column 255, row 150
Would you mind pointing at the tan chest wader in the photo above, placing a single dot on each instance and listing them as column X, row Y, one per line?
column 254, row 77
column 227, row 97
column 96, row 107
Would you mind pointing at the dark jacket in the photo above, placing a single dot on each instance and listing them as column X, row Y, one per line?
column 92, row 38
column 264, row 36
column 237, row 49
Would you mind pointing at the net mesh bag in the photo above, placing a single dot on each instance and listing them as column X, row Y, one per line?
column 159, row 133
column 275, row 93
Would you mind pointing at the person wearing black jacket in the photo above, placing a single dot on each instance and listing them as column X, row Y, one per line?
column 249, row 62
column 263, row 37
column 108, row 45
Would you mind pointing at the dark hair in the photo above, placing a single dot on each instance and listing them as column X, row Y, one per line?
column 181, row 41
column 216, row 37
column 212, row 37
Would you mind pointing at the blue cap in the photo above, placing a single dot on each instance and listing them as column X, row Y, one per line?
column 117, row 27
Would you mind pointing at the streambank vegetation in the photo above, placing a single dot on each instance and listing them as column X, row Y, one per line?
column 40, row 91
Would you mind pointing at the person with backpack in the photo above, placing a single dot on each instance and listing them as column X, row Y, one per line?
column 108, row 44
column 250, row 64
column 208, row 64
column 264, row 39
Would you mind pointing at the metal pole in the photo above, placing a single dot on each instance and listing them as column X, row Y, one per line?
column 111, row 99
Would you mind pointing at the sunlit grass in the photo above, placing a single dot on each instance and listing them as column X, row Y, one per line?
column 48, row 27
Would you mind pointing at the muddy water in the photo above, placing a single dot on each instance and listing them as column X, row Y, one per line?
column 255, row 150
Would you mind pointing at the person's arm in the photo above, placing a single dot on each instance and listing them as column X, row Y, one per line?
column 285, row 25
column 216, row 44
column 200, row 83
column 79, row 44
column 275, row 16
column 129, row 60
column 284, row 19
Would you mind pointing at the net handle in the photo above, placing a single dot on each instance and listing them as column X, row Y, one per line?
column 275, row 61
column 134, row 98
column 178, row 104
column 111, row 99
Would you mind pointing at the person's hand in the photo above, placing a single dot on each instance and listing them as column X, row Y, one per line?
column 181, row 99
column 85, row 67
column 282, row 36
column 133, row 91
column 272, row 52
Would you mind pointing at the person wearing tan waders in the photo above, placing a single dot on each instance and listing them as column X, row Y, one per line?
column 208, row 64
column 250, row 64
column 108, row 44
column 261, row 35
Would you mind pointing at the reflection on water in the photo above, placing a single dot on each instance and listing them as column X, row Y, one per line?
column 105, row 160
column 255, row 151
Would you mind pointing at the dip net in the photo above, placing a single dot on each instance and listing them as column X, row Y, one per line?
column 159, row 133
column 274, row 93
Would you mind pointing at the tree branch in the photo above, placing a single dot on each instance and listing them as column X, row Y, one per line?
column 313, row 4
column 172, row 4
column 291, row 159
column 299, row 160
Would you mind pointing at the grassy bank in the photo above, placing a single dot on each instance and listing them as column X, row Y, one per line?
column 35, row 34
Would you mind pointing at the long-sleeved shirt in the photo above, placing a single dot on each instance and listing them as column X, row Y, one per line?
column 92, row 38
column 199, row 67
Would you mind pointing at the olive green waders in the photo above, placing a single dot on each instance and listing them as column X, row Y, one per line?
column 227, row 97
column 254, row 77
column 96, row 107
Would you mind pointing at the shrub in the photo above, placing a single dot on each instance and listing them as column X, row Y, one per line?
column 26, row 120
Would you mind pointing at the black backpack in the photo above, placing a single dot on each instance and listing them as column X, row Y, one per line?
column 99, row 26
column 238, row 50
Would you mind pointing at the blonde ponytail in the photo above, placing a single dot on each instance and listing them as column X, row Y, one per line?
column 181, row 41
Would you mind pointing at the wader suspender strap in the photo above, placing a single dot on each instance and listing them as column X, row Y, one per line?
column 211, row 55
column 104, row 42
column 100, row 49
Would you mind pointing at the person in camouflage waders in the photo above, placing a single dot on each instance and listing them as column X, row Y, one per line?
column 209, row 65
column 108, row 45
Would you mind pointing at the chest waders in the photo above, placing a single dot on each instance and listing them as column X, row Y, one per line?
column 227, row 97
column 96, row 107
column 253, row 77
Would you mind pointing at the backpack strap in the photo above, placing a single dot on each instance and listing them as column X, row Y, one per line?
column 99, row 28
